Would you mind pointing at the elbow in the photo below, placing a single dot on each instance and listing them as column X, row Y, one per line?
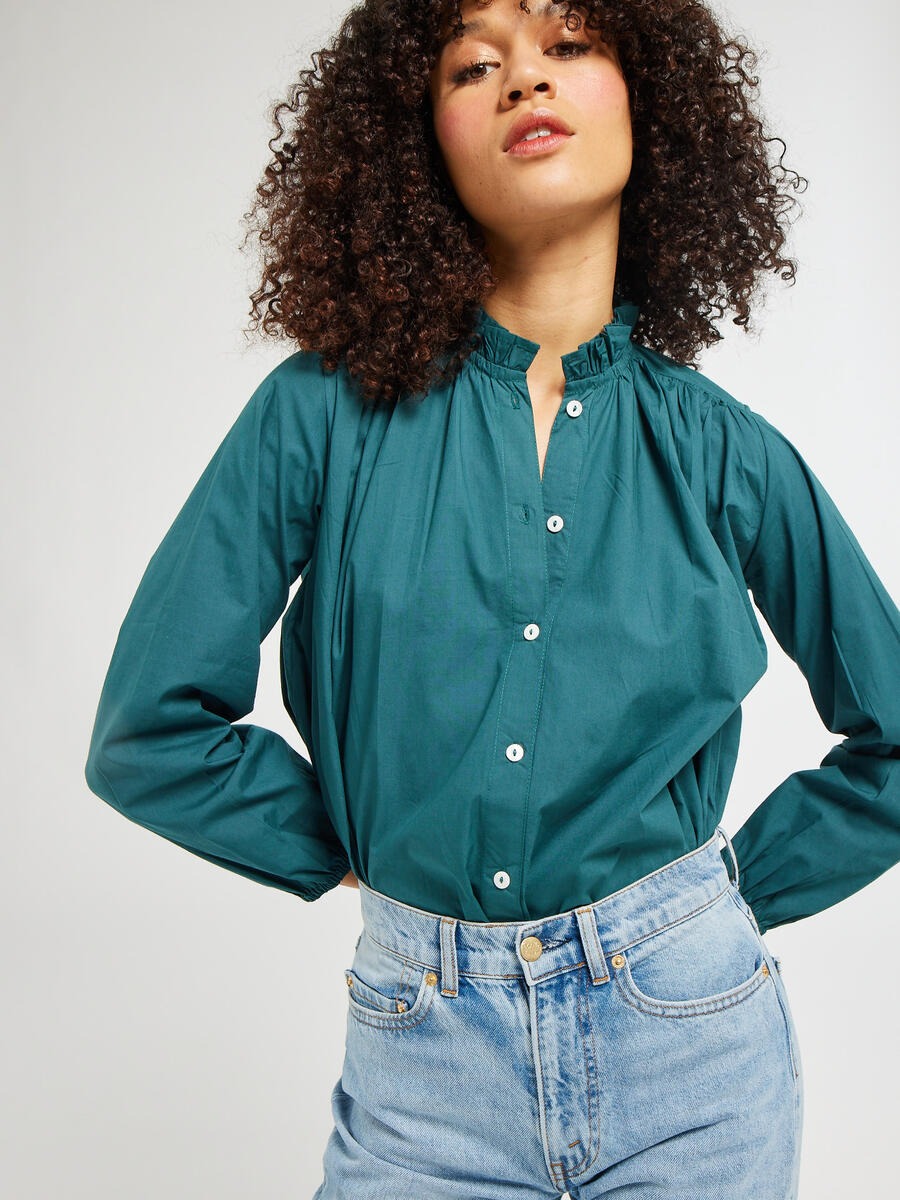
column 110, row 767
column 95, row 776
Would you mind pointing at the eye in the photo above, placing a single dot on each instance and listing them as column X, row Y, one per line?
column 468, row 72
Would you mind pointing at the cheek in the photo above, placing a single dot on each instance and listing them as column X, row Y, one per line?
column 604, row 98
column 450, row 127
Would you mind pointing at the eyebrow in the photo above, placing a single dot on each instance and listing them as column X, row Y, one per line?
column 546, row 10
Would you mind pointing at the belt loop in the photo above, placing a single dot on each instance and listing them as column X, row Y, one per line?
column 590, row 939
column 449, row 976
column 733, row 855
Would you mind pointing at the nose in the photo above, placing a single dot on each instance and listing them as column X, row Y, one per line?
column 528, row 73
column 517, row 93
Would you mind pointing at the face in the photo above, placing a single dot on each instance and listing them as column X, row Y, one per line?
column 507, row 64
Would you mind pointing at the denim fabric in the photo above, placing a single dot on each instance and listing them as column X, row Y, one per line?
column 640, row 1046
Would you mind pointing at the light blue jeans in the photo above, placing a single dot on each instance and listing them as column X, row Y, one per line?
column 641, row 1046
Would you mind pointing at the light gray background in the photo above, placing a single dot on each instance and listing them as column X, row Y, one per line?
column 171, row 1029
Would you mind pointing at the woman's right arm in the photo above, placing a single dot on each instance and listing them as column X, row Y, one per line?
column 166, row 750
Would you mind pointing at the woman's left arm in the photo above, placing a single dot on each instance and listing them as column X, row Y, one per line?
column 826, row 832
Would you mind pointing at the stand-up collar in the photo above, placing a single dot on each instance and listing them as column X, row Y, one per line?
column 500, row 347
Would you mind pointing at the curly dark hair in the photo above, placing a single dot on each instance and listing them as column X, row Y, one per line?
column 368, row 255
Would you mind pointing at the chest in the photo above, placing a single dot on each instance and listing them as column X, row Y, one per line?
column 546, row 395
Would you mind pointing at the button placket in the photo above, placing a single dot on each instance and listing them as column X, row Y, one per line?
column 537, row 551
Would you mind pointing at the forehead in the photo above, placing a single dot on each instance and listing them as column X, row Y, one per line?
column 479, row 17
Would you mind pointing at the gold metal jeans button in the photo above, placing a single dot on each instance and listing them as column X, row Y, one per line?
column 531, row 949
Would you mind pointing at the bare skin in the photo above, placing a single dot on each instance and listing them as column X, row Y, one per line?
column 550, row 221
column 546, row 391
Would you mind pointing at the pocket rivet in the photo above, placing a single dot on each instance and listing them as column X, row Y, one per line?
column 431, row 978
column 765, row 968
column 350, row 981
column 618, row 960
column 401, row 1006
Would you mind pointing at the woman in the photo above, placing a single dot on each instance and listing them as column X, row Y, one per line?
column 528, row 531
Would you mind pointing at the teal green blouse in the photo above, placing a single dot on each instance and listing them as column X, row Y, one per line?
column 518, row 694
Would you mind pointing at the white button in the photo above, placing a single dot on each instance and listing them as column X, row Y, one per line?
column 515, row 751
column 573, row 408
column 531, row 631
column 501, row 879
column 555, row 523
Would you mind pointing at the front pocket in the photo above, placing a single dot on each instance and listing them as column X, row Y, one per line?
column 704, row 963
column 689, row 1008
column 385, row 989
column 367, row 1005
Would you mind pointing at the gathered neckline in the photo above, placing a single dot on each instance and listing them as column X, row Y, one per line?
column 499, row 347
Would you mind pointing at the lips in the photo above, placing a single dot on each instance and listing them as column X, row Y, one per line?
column 538, row 118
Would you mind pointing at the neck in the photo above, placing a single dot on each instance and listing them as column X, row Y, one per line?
column 559, row 292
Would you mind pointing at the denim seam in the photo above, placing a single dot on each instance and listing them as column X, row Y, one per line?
column 404, row 977
column 406, row 967
column 399, row 1020
column 542, row 1092
column 585, row 1162
column 616, row 950
column 633, row 996
column 455, row 965
column 536, row 979
column 671, row 924
column 596, row 1153
column 787, row 1033
column 751, row 921
column 402, row 958
column 366, row 989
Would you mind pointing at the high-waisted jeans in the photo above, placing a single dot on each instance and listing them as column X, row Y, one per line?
column 641, row 1046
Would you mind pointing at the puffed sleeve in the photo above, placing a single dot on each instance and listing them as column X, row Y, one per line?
column 166, row 750
column 825, row 832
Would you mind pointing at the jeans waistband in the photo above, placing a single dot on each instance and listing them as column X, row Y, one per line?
column 539, row 948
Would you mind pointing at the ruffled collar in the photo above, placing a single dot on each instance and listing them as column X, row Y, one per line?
column 606, row 350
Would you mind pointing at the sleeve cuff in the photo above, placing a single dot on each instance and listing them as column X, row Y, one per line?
column 325, row 883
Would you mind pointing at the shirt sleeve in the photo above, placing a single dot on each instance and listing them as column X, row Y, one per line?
column 825, row 832
column 165, row 749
